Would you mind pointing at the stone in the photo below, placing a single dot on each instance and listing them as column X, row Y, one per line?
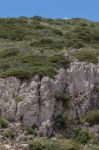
column 21, row 137
column 24, row 147
column 9, row 147
column 45, row 128
column 94, row 128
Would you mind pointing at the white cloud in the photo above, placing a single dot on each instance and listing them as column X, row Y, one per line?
column 66, row 18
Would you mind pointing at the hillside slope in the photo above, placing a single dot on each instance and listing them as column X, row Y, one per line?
column 37, row 45
column 49, row 83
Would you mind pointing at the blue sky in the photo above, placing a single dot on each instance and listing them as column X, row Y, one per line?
column 88, row 9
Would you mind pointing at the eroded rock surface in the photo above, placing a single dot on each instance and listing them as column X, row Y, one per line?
column 33, row 102
column 83, row 79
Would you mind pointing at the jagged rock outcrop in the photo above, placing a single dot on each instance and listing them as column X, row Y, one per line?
column 83, row 79
column 33, row 102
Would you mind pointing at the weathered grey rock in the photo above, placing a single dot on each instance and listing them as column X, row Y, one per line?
column 33, row 102
column 45, row 128
column 82, row 79
column 8, row 90
column 47, row 100
column 24, row 147
column 9, row 147
column 94, row 129
column 21, row 137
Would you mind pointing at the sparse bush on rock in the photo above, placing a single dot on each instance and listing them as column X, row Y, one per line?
column 3, row 123
column 92, row 117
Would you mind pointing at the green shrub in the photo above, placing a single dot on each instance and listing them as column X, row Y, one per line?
column 17, row 72
column 46, row 41
column 19, row 99
column 92, row 117
column 84, row 35
column 36, row 25
column 9, row 134
column 61, row 121
column 62, row 96
column 36, row 145
column 74, row 43
column 9, row 53
column 29, row 65
column 49, row 43
column 96, row 89
column 39, row 18
column 31, row 130
column 89, row 55
column 48, row 144
column 83, row 137
column 59, row 60
column 58, row 32
column 3, row 123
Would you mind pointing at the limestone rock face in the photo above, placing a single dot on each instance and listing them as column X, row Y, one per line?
column 33, row 102
column 28, row 108
column 82, row 77
column 47, row 100
column 82, row 80
column 9, row 88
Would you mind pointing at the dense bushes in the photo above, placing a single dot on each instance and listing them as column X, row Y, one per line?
column 92, row 117
column 31, row 130
column 64, row 97
column 83, row 137
column 9, row 53
column 74, row 43
column 88, row 55
column 81, row 35
column 58, row 32
column 61, row 122
column 19, row 99
column 9, row 134
column 23, row 28
column 29, row 65
column 48, row 144
column 3, row 123
column 49, row 43
column 21, row 41
column 13, row 34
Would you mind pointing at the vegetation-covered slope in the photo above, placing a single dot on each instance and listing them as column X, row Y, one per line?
column 36, row 45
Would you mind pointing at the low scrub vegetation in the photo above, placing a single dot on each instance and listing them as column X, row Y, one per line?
column 88, row 55
column 61, row 122
column 48, row 144
column 92, row 117
column 9, row 134
column 64, row 97
column 29, row 65
column 19, row 99
column 83, row 137
column 3, row 123
column 35, row 45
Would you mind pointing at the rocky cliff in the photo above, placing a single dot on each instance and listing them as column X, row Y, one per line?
column 35, row 101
